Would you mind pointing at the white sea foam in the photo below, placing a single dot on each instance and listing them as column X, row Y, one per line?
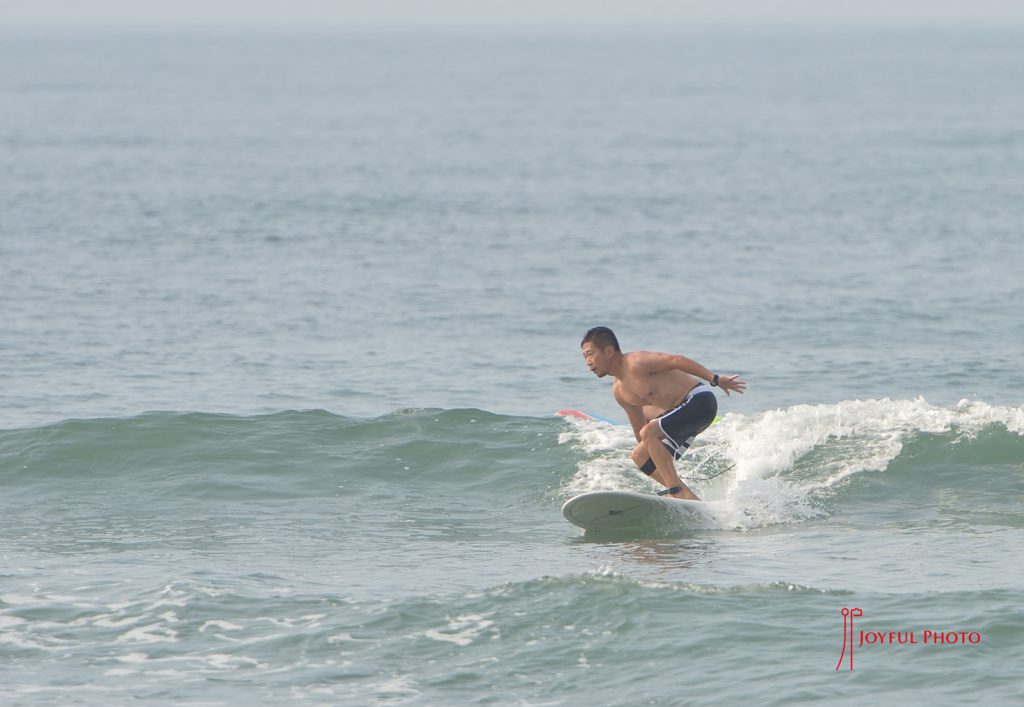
column 396, row 690
column 108, row 620
column 310, row 621
column 462, row 630
column 153, row 633
column 37, row 598
column 20, row 641
column 774, row 441
column 222, row 625
column 226, row 661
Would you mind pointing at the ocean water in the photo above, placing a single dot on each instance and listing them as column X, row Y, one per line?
column 287, row 317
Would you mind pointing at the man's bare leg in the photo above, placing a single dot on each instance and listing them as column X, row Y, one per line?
column 664, row 465
column 640, row 457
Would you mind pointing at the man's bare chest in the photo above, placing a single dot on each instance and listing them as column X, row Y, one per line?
column 653, row 389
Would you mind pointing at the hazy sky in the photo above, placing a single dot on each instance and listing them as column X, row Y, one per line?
column 497, row 12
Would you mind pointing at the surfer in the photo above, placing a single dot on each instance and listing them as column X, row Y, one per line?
column 666, row 398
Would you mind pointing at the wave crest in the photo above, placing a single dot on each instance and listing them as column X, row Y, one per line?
column 785, row 465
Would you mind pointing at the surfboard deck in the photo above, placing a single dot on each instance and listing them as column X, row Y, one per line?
column 610, row 510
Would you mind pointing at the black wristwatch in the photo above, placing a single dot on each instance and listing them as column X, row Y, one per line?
column 714, row 380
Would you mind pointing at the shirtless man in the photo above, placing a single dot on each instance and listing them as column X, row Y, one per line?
column 665, row 397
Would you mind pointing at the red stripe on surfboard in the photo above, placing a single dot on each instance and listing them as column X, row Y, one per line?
column 575, row 413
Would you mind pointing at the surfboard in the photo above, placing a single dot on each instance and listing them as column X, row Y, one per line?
column 580, row 415
column 610, row 510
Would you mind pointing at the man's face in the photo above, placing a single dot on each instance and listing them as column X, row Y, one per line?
column 596, row 358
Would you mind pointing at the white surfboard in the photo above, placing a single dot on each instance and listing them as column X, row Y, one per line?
column 609, row 510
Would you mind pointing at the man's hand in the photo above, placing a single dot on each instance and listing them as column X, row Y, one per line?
column 732, row 383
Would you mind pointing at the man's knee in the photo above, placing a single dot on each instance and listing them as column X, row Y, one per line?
column 651, row 432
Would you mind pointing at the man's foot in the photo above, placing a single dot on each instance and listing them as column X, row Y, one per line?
column 680, row 492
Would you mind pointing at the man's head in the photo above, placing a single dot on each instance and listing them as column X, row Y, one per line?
column 600, row 348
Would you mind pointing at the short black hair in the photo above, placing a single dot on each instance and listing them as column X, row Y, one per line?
column 602, row 337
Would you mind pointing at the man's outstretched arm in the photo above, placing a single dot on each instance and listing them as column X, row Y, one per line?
column 654, row 362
